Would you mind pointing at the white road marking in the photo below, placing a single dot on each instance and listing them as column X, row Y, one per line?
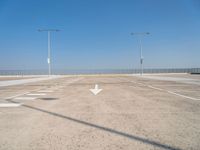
column 37, row 90
column 11, row 97
column 170, row 92
column 10, row 104
column 155, row 88
column 36, row 94
column 176, row 79
column 184, row 96
column 96, row 90
column 45, row 91
column 196, row 99
column 25, row 98
column 54, row 89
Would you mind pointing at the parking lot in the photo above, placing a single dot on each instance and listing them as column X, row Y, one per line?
column 131, row 112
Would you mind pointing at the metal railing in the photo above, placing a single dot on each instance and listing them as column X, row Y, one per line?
column 98, row 71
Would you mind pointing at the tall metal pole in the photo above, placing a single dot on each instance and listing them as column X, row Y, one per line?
column 49, row 52
column 49, row 46
column 141, row 54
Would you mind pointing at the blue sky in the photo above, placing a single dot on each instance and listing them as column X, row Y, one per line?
column 95, row 34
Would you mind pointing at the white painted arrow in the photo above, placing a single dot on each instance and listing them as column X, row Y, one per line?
column 96, row 89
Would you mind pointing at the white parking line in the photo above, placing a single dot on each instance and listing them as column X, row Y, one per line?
column 184, row 96
column 36, row 94
column 45, row 91
column 25, row 98
column 11, row 97
column 54, row 89
column 155, row 88
column 41, row 91
column 170, row 92
column 196, row 99
column 10, row 105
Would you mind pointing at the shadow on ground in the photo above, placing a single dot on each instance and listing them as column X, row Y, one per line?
column 110, row 130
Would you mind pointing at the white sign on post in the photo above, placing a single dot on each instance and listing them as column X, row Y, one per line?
column 48, row 60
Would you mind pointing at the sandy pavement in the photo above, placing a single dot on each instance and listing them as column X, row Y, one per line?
column 126, row 114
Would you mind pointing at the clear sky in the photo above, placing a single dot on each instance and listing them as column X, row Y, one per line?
column 95, row 34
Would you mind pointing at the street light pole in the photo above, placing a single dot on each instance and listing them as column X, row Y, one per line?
column 140, row 34
column 49, row 52
column 49, row 46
